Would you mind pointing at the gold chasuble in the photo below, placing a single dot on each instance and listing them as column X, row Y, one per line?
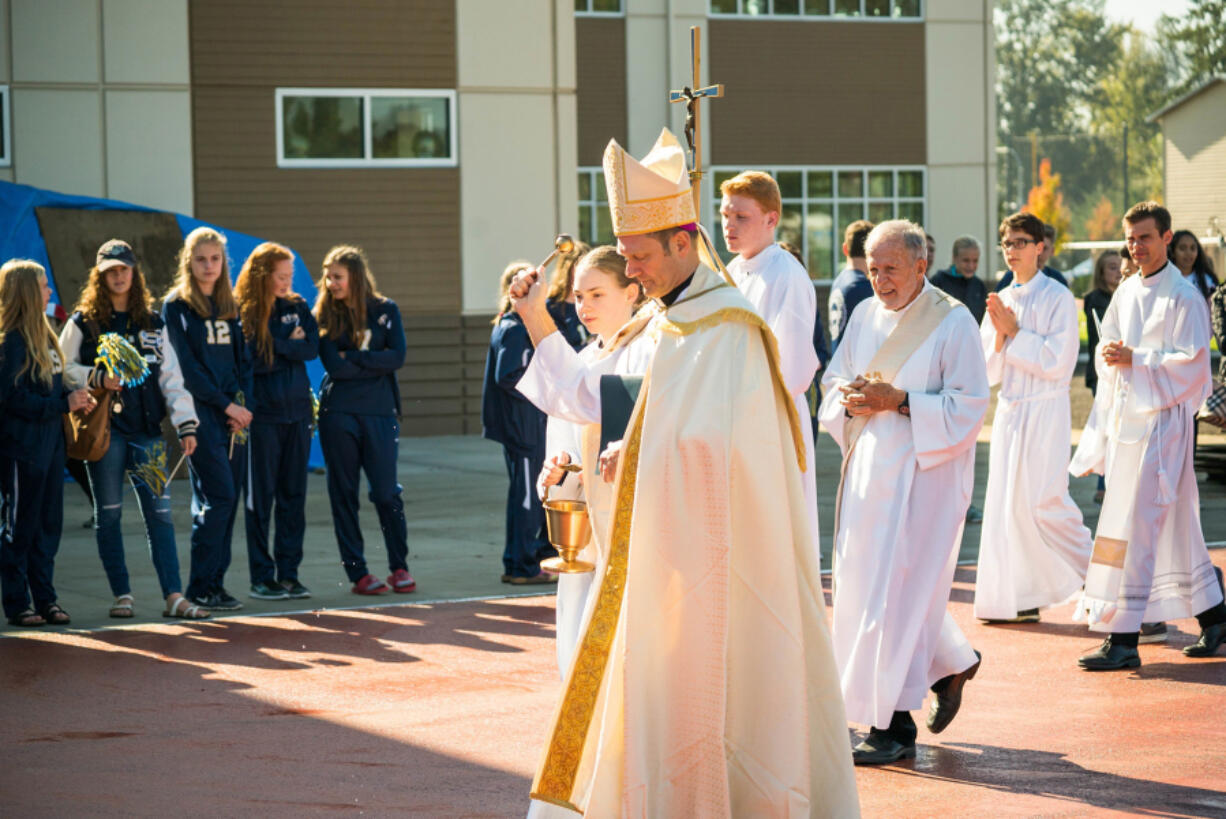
column 704, row 684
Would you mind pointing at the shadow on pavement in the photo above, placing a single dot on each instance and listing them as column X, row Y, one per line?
column 1052, row 775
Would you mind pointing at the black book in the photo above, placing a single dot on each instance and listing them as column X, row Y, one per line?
column 618, row 394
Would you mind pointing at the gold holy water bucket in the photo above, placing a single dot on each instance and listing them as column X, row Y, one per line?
column 569, row 531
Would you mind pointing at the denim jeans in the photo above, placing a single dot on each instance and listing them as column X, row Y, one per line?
column 140, row 457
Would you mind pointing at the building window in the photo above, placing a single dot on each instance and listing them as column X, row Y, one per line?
column 821, row 9
column 819, row 204
column 595, row 223
column 347, row 128
column 6, row 145
column 597, row 8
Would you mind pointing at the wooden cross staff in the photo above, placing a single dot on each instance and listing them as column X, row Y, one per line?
column 691, row 97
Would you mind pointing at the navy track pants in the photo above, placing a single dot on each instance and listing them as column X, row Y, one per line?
column 370, row 443
column 217, row 481
column 31, row 519
column 277, row 478
column 526, row 541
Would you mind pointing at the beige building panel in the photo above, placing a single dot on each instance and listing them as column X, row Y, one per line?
column 7, row 174
column 149, row 148
column 1195, row 135
column 145, row 41
column 55, row 40
column 502, row 44
column 957, row 205
column 507, row 191
column 956, row 92
column 958, row 10
column 646, row 80
column 568, row 161
column 57, row 140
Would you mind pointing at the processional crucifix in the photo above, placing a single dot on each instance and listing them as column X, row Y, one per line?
column 691, row 94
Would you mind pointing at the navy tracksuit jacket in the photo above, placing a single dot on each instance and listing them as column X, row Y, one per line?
column 216, row 368
column 280, row 443
column 511, row 420
column 359, row 429
column 31, row 478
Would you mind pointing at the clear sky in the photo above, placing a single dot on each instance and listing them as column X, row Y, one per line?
column 1144, row 13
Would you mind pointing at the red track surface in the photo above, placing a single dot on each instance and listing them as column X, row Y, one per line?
column 442, row 710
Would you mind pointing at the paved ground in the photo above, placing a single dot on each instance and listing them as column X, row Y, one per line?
column 441, row 711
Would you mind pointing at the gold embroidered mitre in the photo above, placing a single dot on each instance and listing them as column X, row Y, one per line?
column 652, row 194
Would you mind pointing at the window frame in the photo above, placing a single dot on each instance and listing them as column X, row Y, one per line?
column 804, row 201
column 367, row 160
column 593, row 203
column 828, row 17
column 6, row 137
column 589, row 13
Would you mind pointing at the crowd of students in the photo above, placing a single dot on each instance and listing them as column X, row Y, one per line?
column 228, row 367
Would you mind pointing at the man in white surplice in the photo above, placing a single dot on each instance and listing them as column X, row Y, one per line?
column 1149, row 560
column 779, row 289
column 1034, row 547
column 906, row 393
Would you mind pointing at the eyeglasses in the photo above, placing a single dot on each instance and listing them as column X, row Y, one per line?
column 1018, row 243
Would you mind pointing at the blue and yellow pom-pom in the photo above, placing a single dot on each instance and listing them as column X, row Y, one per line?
column 151, row 471
column 122, row 360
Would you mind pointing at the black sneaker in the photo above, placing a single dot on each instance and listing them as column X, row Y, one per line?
column 204, row 601
column 224, row 601
column 265, row 590
column 295, row 590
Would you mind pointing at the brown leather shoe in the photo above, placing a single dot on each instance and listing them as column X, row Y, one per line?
column 946, row 703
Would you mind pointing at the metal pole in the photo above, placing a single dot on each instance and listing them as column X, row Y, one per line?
column 1125, row 168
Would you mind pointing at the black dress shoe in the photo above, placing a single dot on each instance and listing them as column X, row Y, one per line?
column 880, row 748
column 1211, row 638
column 948, row 699
column 1110, row 657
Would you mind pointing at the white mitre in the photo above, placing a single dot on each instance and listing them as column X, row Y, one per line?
column 651, row 194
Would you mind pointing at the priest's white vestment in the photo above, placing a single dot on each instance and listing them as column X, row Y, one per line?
column 1149, row 561
column 1033, row 546
column 907, row 485
column 779, row 289
column 704, row 683
column 559, row 382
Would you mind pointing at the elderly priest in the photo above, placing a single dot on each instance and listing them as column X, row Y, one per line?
column 907, row 390
column 704, row 683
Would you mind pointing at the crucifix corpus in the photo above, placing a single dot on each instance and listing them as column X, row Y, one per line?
column 691, row 94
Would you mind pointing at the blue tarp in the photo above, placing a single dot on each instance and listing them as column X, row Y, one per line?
column 21, row 238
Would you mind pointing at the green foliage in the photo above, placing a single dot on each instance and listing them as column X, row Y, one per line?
column 1196, row 43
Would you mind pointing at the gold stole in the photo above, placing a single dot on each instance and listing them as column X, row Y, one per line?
column 911, row 331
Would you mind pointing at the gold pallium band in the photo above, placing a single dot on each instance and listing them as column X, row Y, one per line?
column 1109, row 551
column 556, row 781
column 685, row 328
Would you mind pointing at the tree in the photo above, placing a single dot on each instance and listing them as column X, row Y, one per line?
column 1103, row 222
column 1197, row 41
column 1138, row 84
column 1047, row 202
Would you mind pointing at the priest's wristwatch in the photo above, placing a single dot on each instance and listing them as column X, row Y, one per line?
column 904, row 408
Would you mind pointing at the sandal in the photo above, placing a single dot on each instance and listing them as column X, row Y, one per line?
column 27, row 619
column 55, row 615
column 122, row 607
column 191, row 612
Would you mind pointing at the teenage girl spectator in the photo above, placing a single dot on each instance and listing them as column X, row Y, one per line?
column 116, row 300
column 202, row 320
column 511, row 420
column 33, row 399
column 1187, row 254
column 281, row 336
column 1102, row 287
column 606, row 300
column 560, row 300
column 361, row 346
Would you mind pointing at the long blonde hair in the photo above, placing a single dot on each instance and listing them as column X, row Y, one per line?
column 563, row 280
column 347, row 317
column 504, row 286
column 21, row 311
column 253, row 292
column 185, row 286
